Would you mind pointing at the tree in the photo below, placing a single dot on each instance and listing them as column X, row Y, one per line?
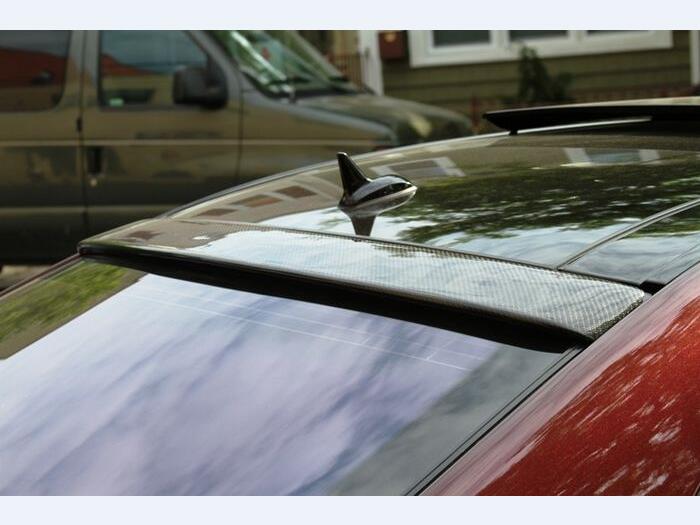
column 536, row 85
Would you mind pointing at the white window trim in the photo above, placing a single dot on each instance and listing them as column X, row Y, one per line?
column 371, row 63
column 500, row 49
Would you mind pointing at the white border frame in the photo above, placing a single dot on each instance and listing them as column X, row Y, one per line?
column 424, row 54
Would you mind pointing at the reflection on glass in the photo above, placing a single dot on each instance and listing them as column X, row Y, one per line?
column 31, row 312
column 637, row 256
column 541, row 201
column 543, row 216
column 172, row 387
column 582, row 157
column 282, row 63
column 32, row 69
column 501, row 207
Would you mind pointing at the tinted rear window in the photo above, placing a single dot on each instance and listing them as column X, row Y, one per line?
column 119, row 382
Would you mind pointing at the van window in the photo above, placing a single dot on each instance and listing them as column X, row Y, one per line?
column 137, row 67
column 282, row 63
column 32, row 69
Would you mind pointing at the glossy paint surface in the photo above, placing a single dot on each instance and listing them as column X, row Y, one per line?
column 536, row 198
column 411, row 122
column 637, row 256
column 622, row 418
column 41, row 186
column 116, row 382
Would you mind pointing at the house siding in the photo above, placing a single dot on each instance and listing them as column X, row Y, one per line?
column 473, row 88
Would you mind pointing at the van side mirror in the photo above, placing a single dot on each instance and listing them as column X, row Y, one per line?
column 199, row 86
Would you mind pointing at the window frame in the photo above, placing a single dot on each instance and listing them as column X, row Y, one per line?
column 423, row 52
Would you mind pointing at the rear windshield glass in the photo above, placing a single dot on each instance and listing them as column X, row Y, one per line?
column 114, row 381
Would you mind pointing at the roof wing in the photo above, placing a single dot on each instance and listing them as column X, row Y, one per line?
column 576, row 306
column 513, row 120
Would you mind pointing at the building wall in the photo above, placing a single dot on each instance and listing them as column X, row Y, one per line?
column 474, row 88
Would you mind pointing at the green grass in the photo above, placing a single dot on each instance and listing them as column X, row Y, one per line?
column 33, row 311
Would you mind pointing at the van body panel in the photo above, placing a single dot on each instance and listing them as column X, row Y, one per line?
column 411, row 122
column 279, row 135
column 152, row 156
column 41, row 193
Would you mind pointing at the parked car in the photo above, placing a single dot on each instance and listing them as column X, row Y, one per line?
column 509, row 314
column 101, row 128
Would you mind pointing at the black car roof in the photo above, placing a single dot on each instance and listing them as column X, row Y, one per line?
column 578, row 201
column 660, row 109
column 543, row 199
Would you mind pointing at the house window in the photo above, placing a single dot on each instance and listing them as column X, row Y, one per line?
column 452, row 38
column 516, row 36
column 610, row 31
column 432, row 48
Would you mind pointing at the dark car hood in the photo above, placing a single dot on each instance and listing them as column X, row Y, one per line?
column 410, row 121
column 539, row 199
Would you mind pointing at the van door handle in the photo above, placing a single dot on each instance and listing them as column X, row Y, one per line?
column 94, row 164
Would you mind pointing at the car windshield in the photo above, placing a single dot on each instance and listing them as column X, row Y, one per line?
column 115, row 381
column 282, row 63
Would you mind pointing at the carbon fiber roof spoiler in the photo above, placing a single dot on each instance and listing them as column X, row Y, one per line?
column 671, row 109
column 572, row 305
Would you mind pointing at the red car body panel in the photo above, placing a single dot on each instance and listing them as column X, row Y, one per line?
column 622, row 418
